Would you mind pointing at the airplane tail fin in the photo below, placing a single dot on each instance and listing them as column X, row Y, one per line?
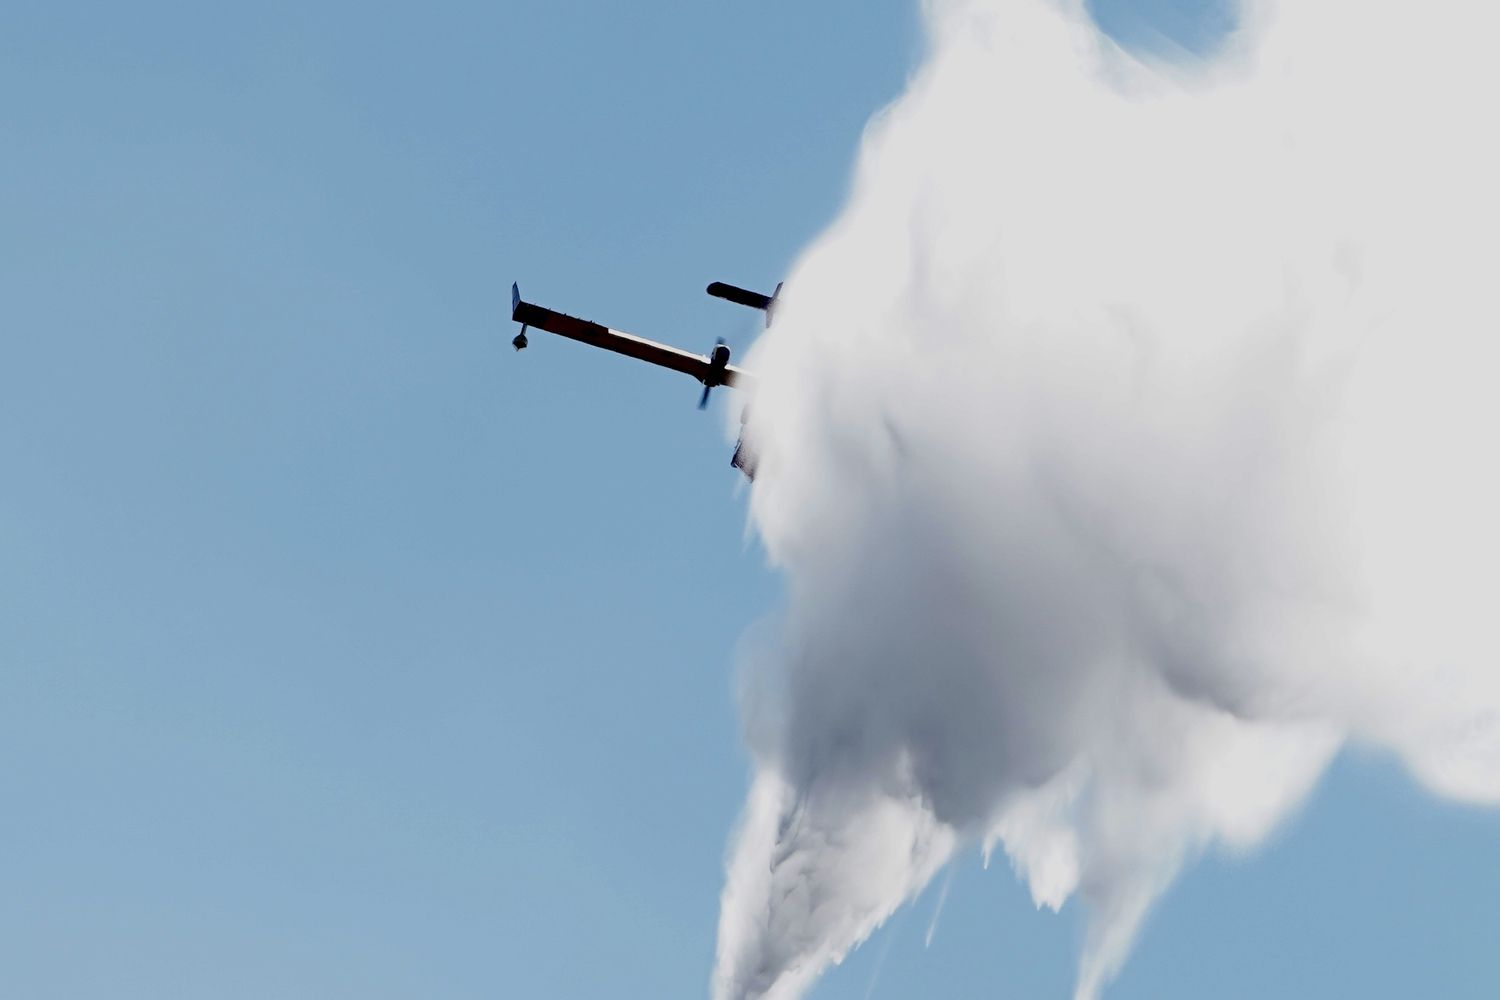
column 745, row 297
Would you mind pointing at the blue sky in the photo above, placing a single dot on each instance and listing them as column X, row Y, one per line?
column 345, row 653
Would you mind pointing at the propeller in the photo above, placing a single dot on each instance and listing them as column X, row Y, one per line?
column 718, row 361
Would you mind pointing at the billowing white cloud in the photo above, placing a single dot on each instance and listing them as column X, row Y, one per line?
column 1127, row 447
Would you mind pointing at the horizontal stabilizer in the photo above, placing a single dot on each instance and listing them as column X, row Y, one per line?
column 741, row 296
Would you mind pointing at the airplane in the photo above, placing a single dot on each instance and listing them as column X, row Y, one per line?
column 712, row 370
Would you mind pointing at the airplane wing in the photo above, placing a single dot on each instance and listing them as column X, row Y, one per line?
column 595, row 334
column 738, row 378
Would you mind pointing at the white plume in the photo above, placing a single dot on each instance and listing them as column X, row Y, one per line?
column 1127, row 446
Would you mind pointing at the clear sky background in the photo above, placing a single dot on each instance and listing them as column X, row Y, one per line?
column 346, row 653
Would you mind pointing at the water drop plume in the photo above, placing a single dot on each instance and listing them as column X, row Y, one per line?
column 1127, row 447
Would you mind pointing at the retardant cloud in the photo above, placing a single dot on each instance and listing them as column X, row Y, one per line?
column 1127, row 447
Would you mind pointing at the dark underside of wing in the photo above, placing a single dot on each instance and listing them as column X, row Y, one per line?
column 598, row 335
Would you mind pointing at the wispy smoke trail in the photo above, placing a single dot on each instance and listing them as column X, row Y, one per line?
column 937, row 911
column 1127, row 448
